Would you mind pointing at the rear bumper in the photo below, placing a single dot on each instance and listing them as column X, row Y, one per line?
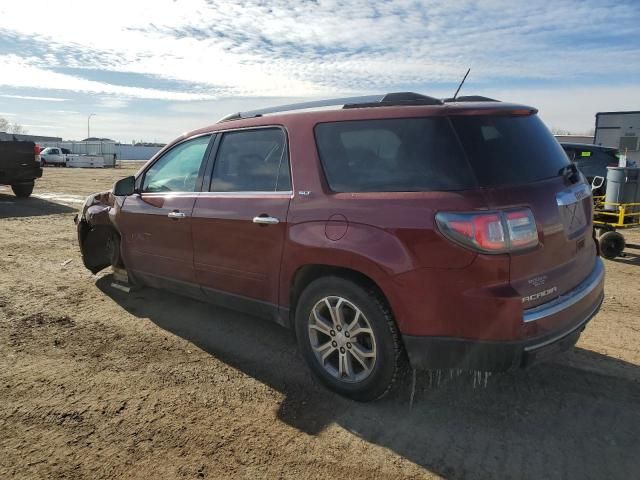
column 19, row 175
column 576, row 308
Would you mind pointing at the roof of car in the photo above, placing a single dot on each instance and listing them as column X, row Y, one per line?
column 403, row 104
column 587, row 146
column 622, row 112
column 397, row 99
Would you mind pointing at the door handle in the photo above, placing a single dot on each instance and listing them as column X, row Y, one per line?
column 176, row 215
column 266, row 220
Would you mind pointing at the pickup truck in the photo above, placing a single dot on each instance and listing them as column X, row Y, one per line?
column 55, row 156
column 20, row 166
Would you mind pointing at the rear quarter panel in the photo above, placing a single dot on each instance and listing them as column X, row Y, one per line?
column 381, row 235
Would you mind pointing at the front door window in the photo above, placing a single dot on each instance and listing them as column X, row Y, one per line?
column 178, row 169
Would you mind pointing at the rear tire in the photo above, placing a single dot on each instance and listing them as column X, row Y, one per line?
column 611, row 244
column 349, row 339
column 22, row 190
column 603, row 230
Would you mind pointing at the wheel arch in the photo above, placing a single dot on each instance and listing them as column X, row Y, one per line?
column 99, row 245
column 304, row 275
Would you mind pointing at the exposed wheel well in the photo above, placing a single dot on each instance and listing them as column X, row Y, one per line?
column 308, row 273
column 100, row 246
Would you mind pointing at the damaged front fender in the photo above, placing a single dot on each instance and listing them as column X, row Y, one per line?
column 98, row 237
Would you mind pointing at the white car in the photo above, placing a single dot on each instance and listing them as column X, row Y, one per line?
column 54, row 156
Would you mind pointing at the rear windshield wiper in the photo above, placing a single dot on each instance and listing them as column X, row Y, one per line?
column 569, row 173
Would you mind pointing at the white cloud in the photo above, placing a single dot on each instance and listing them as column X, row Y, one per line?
column 46, row 127
column 112, row 102
column 27, row 97
column 25, row 73
column 315, row 48
column 200, row 56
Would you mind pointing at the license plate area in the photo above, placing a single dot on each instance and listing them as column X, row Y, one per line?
column 572, row 211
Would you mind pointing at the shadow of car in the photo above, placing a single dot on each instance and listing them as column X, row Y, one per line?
column 576, row 417
column 12, row 207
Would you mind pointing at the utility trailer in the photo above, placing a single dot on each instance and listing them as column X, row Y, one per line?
column 618, row 209
column 85, row 161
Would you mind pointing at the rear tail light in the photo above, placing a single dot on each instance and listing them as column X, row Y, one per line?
column 522, row 228
column 490, row 232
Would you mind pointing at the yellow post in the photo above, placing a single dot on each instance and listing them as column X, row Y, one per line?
column 622, row 214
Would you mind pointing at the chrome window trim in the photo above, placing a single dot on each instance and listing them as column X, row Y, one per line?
column 588, row 285
column 219, row 194
column 287, row 193
column 168, row 194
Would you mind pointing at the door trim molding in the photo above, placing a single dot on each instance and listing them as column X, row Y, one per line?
column 232, row 301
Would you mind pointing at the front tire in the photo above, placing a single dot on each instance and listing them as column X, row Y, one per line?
column 22, row 190
column 349, row 339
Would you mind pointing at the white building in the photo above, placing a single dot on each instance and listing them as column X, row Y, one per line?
column 619, row 130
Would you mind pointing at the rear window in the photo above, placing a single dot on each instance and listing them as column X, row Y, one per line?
column 392, row 155
column 506, row 150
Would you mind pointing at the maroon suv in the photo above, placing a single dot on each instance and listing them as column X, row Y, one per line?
column 449, row 233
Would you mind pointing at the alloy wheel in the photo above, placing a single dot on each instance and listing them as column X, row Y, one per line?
column 342, row 339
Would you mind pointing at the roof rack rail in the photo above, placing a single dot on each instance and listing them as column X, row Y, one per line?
column 470, row 98
column 384, row 100
column 397, row 99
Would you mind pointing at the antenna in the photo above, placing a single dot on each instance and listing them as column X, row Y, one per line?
column 461, row 83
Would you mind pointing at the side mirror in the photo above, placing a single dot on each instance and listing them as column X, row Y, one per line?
column 124, row 187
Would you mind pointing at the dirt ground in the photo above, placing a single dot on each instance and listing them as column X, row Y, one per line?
column 97, row 383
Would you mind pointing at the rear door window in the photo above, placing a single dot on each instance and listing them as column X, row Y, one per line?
column 252, row 161
column 392, row 155
column 508, row 150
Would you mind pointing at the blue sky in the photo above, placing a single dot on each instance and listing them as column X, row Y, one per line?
column 150, row 70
